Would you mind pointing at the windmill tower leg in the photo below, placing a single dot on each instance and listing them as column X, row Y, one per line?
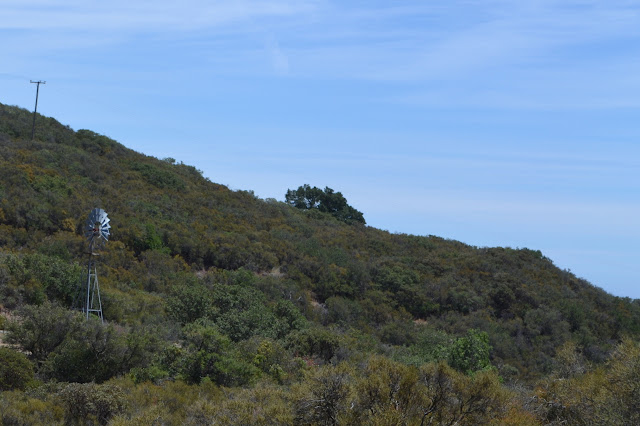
column 93, row 302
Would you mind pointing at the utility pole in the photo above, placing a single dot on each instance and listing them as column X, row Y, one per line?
column 33, row 129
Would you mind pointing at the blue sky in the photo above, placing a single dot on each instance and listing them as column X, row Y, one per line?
column 496, row 123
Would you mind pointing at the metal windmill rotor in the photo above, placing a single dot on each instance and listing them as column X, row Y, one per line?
column 97, row 228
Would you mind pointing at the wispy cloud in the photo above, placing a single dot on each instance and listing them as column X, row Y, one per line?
column 141, row 15
column 416, row 42
column 460, row 38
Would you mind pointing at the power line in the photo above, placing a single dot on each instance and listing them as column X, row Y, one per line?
column 33, row 129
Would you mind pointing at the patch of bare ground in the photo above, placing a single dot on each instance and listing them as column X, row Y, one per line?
column 275, row 272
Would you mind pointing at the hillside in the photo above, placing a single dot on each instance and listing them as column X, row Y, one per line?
column 199, row 281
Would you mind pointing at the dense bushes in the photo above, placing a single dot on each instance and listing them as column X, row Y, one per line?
column 65, row 347
column 33, row 278
column 223, row 306
column 374, row 391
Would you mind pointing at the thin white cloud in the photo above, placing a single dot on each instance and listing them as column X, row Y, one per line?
column 140, row 15
column 421, row 42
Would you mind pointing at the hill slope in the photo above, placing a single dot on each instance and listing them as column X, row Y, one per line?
column 186, row 250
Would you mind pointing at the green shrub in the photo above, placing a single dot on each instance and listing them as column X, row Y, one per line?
column 470, row 353
column 313, row 342
column 90, row 403
column 16, row 371
column 17, row 408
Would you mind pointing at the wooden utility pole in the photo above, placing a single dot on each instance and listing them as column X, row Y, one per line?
column 33, row 129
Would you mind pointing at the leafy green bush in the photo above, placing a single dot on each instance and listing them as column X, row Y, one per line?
column 314, row 342
column 41, row 329
column 90, row 403
column 96, row 352
column 16, row 371
column 208, row 353
column 471, row 352
column 188, row 303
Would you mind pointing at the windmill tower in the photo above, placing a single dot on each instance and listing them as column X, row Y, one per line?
column 97, row 232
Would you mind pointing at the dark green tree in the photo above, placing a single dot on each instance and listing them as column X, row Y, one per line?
column 305, row 197
column 41, row 329
column 327, row 201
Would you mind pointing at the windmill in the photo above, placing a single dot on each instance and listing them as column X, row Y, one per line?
column 97, row 230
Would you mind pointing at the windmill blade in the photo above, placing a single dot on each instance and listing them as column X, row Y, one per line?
column 97, row 215
column 94, row 215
